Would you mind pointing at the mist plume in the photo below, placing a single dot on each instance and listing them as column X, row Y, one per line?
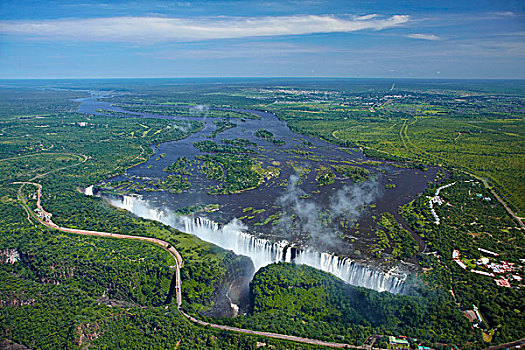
column 305, row 216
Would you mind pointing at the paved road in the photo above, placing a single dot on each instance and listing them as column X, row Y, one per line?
column 49, row 223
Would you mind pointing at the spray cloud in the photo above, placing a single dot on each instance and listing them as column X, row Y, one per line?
column 306, row 217
column 199, row 110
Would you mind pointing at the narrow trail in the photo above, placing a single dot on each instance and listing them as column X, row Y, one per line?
column 139, row 157
column 142, row 150
column 63, row 168
column 44, row 218
column 401, row 134
column 361, row 145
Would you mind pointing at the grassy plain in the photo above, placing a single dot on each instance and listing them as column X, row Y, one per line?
column 476, row 136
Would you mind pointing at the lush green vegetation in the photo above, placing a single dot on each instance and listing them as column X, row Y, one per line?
column 264, row 134
column 232, row 165
column 222, row 125
column 240, row 142
column 403, row 244
column 469, row 222
column 179, row 166
column 268, row 136
column 324, row 176
column 198, row 208
column 211, row 168
column 300, row 300
column 382, row 244
column 213, row 147
column 235, row 171
column 356, row 173
column 100, row 138
column 174, row 183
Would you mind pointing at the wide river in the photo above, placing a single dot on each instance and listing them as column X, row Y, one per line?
column 328, row 227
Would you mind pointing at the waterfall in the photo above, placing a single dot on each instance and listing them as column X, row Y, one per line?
column 233, row 236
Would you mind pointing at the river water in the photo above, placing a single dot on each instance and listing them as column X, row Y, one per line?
column 328, row 227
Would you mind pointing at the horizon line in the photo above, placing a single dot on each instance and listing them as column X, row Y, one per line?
column 260, row 77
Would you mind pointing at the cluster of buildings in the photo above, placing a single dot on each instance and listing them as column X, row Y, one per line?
column 298, row 92
column 401, row 342
column 504, row 268
column 44, row 215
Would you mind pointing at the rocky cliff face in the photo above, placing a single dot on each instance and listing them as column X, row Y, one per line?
column 232, row 293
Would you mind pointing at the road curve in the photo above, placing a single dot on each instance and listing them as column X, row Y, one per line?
column 49, row 223
column 45, row 219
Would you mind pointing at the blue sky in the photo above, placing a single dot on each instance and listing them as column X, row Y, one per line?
column 362, row 39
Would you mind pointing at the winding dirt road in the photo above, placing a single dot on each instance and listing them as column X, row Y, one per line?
column 44, row 218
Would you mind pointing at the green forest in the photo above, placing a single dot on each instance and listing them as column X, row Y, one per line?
column 303, row 301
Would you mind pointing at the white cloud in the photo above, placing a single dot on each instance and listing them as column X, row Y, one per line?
column 161, row 29
column 366, row 17
column 505, row 14
column 424, row 36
